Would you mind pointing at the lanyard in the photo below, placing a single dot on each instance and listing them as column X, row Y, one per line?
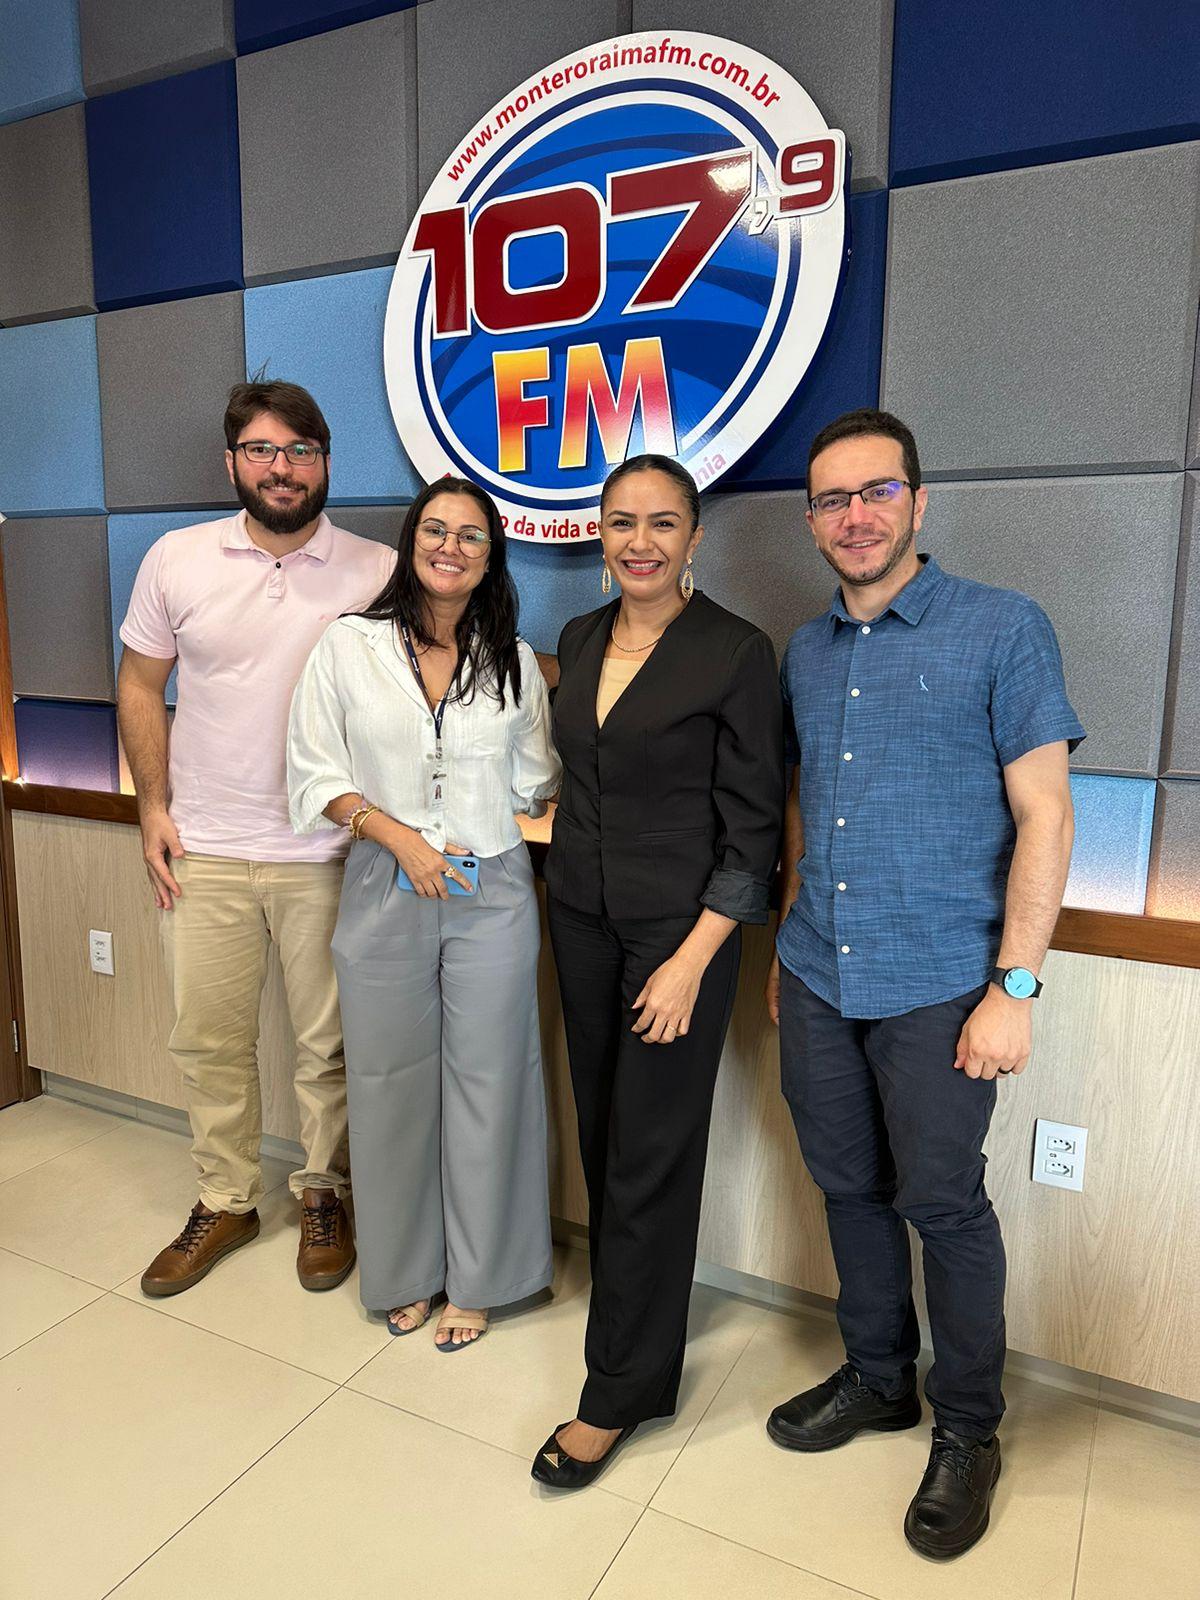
column 439, row 711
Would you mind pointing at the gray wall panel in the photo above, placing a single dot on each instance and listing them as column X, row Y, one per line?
column 1181, row 743
column 839, row 50
column 1099, row 556
column 165, row 373
column 46, row 232
column 758, row 558
column 381, row 523
column 1193, row 449
column 1044, row 320
column 472, row 53
column 328, row 133
column 123, row 42
column 56, row 575
column 1174, row 885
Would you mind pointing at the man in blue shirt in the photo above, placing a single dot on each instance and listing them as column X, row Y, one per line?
column 928, row 836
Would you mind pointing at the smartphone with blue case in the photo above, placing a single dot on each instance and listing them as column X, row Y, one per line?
column 467, row 865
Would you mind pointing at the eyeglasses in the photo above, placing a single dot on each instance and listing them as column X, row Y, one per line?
column 834, row 501
column 262, row 453
column 471, row 541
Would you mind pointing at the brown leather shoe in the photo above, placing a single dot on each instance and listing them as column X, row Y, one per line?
column 326, row 1244
column 206, row 1237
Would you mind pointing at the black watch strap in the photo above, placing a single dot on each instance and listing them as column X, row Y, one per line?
column 1000, row 973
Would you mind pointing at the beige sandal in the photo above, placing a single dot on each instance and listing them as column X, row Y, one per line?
column 419, row 1318
column 477, row 1321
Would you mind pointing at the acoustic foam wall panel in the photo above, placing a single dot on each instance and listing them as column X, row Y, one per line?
column 165, row 376
column 50, row 457
column 129, row 538
column 381, row 523
column 46, row 238
column 1181, row 742
column 166, row 202
column 1113, row 823
column 1174, row 889
column 505, row 47
column 1098, row 554
column 845, row 373
column 123, row 43
column 328, row 135
column 67, row 744
column 1045, row 320
column 56, row 579
column 261, row 23
column 554, row 586
column 1193, row 449
column 988, row 86
column 841, row 53
column 327, row 334
column 39, row 57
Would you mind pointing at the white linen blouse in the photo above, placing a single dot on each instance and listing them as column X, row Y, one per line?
column 360, row 724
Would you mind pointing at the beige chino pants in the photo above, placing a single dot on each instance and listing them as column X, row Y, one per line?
column 216, row 943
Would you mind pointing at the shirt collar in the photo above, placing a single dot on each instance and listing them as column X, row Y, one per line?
column 909, row 605
column 319, row 547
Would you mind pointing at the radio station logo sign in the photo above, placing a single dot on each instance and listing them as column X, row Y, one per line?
column 639, row 249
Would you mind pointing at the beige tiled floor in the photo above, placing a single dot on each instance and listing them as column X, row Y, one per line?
column 248, row 1440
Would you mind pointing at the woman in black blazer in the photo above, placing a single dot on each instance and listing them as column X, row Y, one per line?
column 668, row 722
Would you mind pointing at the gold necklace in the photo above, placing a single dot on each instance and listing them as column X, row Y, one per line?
column 632, row 649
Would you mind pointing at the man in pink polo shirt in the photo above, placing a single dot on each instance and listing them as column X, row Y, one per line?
column 238, row 604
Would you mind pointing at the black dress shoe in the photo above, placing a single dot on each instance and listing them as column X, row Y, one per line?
column 557, row 1470
column 951, row 1508
column 836, row 1410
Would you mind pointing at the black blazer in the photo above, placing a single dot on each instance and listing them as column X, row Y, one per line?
column 677, row 802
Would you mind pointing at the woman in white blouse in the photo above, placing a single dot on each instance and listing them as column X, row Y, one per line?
column 422, row 725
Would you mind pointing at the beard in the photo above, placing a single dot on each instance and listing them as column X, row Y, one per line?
column 283, row 519
column 861, row 579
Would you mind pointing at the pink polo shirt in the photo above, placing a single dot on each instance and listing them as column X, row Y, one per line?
column 242, row 625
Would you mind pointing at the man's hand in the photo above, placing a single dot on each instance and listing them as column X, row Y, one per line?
column 771, row 992
column 996, row 1037
column 161, row 846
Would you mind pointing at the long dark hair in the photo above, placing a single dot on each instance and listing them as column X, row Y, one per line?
column 486, row 635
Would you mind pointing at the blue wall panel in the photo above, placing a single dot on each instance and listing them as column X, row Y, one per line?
column 978, row 85
column 327, row 334
column 50, row 457
column 67, row 743
column 39, row 57
column 1114, row 819
column 845, row 373
column 554, row 585
column 165, row 188
column 129, row 537
column 259, row 24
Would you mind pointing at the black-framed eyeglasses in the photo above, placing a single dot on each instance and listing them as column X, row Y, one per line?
column 263, row 453
column 834, row 501
column 471, row 541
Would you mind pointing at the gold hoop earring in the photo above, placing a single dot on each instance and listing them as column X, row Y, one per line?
column 687, row 584
column 606, row 581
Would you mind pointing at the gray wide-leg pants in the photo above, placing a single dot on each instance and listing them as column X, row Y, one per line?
column 444, row 1084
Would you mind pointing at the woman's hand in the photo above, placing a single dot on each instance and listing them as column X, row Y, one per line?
column 667, row 1000
column 427, row 870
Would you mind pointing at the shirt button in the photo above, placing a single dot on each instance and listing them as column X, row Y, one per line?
column 854, row 694
column 841, row 822
column 842, row 886
column 848, row 756
column 867, row 629
column 845, row 949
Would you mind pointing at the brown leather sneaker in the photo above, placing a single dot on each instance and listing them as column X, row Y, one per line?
column 326, row 1244
column 206, row 1237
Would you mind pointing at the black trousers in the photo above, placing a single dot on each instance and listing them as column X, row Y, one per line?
column 644, row 1111
column 892, row 1133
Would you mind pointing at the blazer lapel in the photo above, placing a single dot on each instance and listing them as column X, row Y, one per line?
column 659, row 661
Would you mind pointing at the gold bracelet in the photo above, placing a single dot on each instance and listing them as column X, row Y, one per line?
column 358, row 818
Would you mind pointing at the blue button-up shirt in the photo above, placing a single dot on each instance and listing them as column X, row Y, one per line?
column 902, row 728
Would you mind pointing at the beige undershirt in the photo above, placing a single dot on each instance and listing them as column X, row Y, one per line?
column 616, row 674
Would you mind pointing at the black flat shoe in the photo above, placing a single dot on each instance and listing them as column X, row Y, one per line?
column 557, row 1470
column 834, row 1411
column 950, row 1510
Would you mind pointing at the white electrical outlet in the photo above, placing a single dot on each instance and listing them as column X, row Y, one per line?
column 1059, row 1150
column 100, row 951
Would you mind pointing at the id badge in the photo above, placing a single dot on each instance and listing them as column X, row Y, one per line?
column 437, row 782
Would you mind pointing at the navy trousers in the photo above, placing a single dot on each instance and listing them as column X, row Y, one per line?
column 891, row 1133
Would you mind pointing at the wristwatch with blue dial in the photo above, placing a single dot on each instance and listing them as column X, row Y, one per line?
column 1018, row 982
